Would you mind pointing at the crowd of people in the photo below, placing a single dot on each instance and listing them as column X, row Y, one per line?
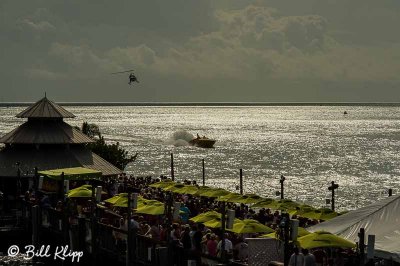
column 194, row 239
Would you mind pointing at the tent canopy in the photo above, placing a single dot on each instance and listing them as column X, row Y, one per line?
column 76, row 173
column 381, row 219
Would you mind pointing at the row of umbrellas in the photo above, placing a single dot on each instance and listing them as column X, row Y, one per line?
column 220, row 194
column 144, row 206
column 320, row 239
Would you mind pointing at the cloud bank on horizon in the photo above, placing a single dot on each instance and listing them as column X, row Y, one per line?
column 210, row 50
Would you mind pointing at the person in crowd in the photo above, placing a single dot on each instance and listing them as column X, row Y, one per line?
column 309, row 258
column 297, row 258
column 241, row 251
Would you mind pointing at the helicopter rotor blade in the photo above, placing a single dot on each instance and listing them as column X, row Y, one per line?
column 122, row 72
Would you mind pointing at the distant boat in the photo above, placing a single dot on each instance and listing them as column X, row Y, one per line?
column 202, row 142
column 345, row 112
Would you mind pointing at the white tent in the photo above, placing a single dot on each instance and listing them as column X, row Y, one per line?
column 381, row 219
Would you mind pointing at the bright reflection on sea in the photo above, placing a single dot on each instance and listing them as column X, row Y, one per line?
column 311, row 146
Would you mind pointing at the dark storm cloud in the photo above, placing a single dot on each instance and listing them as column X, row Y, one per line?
column 200, row 50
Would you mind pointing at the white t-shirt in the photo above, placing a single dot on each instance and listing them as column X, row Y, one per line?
column 228, row 245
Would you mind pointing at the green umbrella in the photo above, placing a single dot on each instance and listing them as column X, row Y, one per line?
column 205, row 217
column 301, row 232
column 250, row 199
column 320, row 214
column 248, row 226
column 322, row 239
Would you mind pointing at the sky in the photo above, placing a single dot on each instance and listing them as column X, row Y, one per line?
column 200, row 50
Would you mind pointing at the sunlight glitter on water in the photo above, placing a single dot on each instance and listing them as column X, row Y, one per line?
column 311, row 146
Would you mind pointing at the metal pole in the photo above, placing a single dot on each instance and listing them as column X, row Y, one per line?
column 241, row 181
column 172, row 167
column 282, row 188
column 204, row 173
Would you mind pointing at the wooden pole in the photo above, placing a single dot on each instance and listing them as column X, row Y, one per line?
column 204, row 173
column 172, row 167
column 241, row 181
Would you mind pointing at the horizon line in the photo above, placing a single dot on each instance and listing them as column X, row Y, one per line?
column 99, row 103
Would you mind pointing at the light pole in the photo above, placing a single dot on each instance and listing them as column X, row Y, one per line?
column 282, row 189
column 332, row 188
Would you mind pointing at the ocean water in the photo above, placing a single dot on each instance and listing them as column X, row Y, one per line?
column 310, row 145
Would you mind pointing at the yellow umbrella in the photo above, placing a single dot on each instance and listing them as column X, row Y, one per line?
column 202, row 190
column 300, row 210
column 80, row 193
column 248, row 226
column 162, row 184
column 205, row 217
column 173, row 187
column 320, row 214
column 265, row 203
column 123, row 201
column 301, row 232
column 285, row 204
column 214, row 193
column 216, row 223
column 322, row 239
column 231, row 197
column 151, row 207
column 187, row 189
column 117, row 198
column 250, row 198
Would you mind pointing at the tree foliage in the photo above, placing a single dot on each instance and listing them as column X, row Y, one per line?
column 113, row 153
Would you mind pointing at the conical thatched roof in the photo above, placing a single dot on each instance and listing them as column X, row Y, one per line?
column 45, row 132
column 45, row 109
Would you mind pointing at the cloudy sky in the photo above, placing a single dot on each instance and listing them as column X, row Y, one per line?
column 201, row 50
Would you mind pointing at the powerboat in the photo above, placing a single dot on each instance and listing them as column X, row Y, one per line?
column 202, row 142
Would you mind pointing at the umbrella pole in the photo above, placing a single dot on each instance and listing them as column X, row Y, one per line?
column 223, row 253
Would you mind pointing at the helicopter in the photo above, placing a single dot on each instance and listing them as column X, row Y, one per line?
column 132, row 77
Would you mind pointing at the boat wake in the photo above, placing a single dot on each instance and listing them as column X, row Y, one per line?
column 180, row 138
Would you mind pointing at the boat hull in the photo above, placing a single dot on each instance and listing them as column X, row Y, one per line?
column 203, row 143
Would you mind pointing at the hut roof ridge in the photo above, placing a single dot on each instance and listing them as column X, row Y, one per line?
column 44, row 108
